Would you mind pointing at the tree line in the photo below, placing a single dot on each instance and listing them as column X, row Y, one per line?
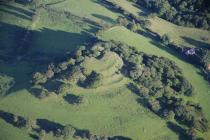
column 190, row 13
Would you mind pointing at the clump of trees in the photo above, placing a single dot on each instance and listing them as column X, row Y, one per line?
column 191, row 13
column 93, row 80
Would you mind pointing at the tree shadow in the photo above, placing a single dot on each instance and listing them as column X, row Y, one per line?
column 52, row 85
column 24, row 1
column 49, row 126
column 82, row 133
column 35, row 92
column 34, row 137
column 16, row 11
column 108, row 5
column 120, row 138
column 9, row 118
column 196, row 43
column 16, row 14
column 178, row 130
column 104, row 18
column 144, row 11
column 73, row 99
column 148, row 34
column 56, row 43
column 43, row 47
column 54, row 3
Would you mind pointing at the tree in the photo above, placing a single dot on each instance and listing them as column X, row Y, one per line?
column 63, row 65
column 133, row 26
column 68, row 131
column 170, row 115
column 122, row 21
column 136, row 72
column 143, row 91
column 42, row 135
column 165, row 39
column 154, row 105
column 147, row 23
column 49, row 73
column 192, row 134
column 43, row 93
column 30, row 123
column 39, row 78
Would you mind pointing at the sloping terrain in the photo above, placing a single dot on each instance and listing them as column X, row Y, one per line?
column 36, row 38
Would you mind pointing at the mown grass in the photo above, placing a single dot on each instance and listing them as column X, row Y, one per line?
column 148, row 46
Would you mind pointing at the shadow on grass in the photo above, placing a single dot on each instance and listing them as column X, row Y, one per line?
column 16, row 14
column 19, row 59
column 178, row 130
column 196, row 43
column 107, row 5
column 104, row 18
column 49, row 126
column 73, row 99
column 16, row 11
column 10, row 118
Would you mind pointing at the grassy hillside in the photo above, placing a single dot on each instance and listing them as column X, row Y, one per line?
column 93, row 9
column 111, row 109
column 183, row 36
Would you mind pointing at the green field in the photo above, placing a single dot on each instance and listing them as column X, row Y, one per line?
column 111, row 109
